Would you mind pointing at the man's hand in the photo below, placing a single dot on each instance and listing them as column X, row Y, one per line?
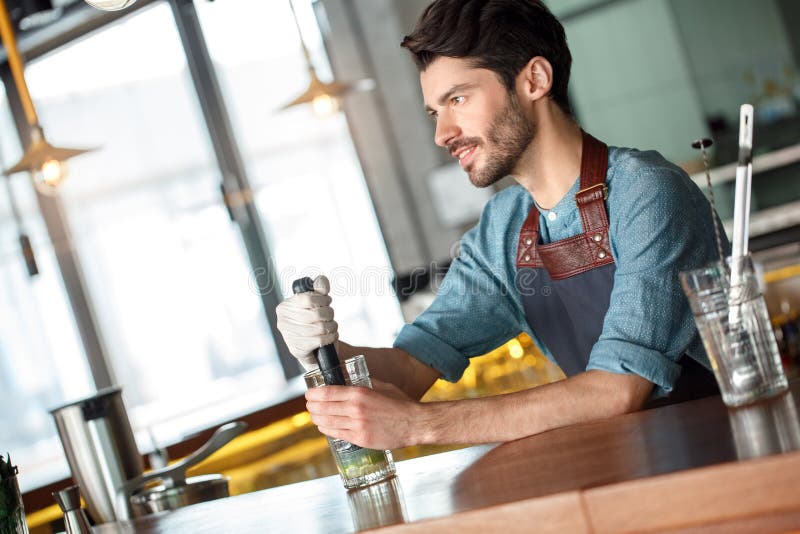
column 384, row 418
column 306, row 322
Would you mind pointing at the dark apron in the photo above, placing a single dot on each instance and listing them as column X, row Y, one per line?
column 566, row 285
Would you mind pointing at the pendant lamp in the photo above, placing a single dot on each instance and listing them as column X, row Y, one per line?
column 110, row 5
column 44, row 161
column 325, row 97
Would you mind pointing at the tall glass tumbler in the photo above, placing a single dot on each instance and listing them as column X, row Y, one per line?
column 357, row 466
column 732, row 318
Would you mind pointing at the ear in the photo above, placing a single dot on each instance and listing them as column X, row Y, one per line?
column 535, row 80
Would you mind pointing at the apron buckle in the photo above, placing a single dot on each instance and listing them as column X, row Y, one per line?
column 603, row 185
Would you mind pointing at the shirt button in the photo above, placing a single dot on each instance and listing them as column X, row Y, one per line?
column 552, row 216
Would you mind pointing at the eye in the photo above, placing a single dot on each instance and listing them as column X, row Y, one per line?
column 432, row 115
column 457, row 100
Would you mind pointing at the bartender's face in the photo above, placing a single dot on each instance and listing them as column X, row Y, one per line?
column 477, row 120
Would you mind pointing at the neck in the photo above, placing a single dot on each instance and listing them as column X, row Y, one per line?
column 552, row 162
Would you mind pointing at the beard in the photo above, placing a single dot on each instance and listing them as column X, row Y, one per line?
column 509, row 136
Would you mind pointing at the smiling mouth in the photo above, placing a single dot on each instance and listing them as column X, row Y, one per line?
column 464, row 155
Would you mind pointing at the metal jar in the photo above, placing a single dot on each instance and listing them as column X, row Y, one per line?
column 98, row 441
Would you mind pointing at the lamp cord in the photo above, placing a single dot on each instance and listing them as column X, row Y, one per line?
column 306, row 53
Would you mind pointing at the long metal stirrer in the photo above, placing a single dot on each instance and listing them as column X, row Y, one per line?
column 702, row 144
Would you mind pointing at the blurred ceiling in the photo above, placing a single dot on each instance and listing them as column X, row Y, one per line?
column 30, row 14
column 43, row 25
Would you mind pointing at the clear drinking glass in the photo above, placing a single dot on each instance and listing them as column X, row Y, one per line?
column 732, row 318
column 357, row 466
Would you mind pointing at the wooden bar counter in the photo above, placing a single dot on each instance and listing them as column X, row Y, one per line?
column 693, row 467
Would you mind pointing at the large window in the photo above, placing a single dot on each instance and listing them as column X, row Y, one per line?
column 306, row 177
column 175, row 298
column 42, row 362
column 166, row 269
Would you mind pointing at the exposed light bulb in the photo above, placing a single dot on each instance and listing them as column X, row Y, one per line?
column 325, row 105
column 49, row 176
column 52, row 172
column 110, row 5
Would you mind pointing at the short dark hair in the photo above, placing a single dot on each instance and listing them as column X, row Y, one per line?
column 499, row 35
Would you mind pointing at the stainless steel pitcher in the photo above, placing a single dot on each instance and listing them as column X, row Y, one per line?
column 101, row 451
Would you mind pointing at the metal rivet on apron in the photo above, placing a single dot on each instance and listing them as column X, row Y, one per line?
column 527, row 257
column 597, row 238
column 528, row 241
column 601, row 255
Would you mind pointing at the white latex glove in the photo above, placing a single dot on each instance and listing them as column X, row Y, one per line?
column 306, row 322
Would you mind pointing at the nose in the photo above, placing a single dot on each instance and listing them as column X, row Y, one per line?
column 446, row 130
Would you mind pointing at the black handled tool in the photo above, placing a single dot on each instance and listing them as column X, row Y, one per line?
column 327, row 358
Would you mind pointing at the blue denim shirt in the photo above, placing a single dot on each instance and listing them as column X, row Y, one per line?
column 660, row 224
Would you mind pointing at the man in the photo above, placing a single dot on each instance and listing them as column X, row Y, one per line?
column 583, row 254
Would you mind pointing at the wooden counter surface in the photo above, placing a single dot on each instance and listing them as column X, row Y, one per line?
column 693, row 466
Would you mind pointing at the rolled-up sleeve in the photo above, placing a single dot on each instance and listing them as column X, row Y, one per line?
column 473, row 311
column 660, row 225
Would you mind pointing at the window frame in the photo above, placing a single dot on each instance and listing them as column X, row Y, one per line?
column 78, row 21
